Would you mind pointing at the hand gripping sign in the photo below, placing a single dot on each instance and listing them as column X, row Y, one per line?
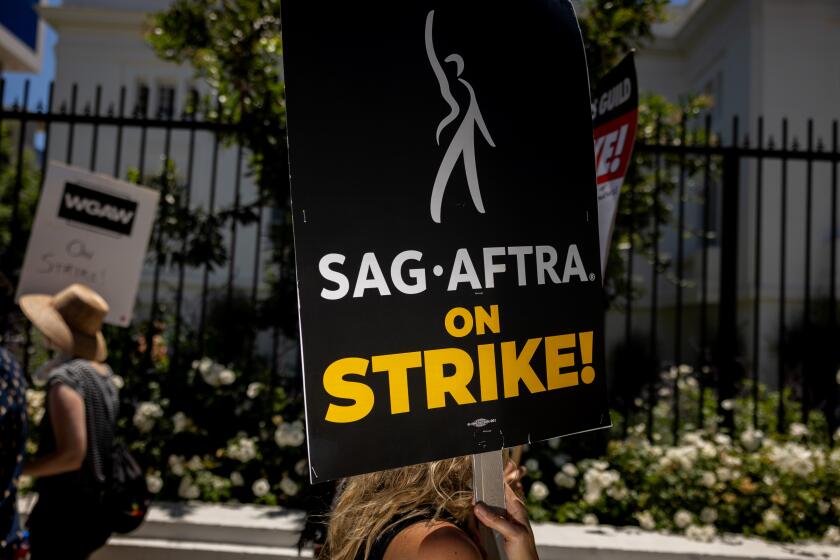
column 615, row 112
column 446, row 228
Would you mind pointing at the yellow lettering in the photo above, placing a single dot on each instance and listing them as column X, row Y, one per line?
column 438, row 384
column 337, row 386
column 449, row 322
column 487, row 372
column 518, row 368
column 555, row 361
column 489, row 320
column 397, row 366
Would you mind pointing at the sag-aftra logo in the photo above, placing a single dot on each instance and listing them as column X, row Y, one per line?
column 97, row 209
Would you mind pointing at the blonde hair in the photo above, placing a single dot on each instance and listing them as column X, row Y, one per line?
column 370, row 504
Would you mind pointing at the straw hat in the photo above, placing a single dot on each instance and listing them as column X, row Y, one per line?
column 71, row 319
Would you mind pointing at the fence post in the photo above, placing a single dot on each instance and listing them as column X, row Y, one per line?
column 727, row 365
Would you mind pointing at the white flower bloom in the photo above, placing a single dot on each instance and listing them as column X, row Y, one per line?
column 708, row 479
column 195, row 463
column 180, row 422
column 290, row 434
column 145, row 415
column 562, row 480
column 798, row 430
column 289, row 486
column 832, row 535
column 793, row 458
column 770, row 518
column 705, row 533
column 154, row 483
column 708, row 515
column 242, row 449
column 727, row 404
column 254, row 389
column 226, row 377
column 723, row 440
column 301, row 467
column 554, row 443
column 686, row 369
column 823, row 507
column 590, row 519
column 646, row 521
column 617, row 493
column 600, row 465
column 532, row 465
column 751, row 439
column 236, row 478
column 683, row 518
column 538, row 491
column 176, row 465
column 187, row 489
column 260, row 487
column 118, row 381
column 569, row 469
column 723, row 474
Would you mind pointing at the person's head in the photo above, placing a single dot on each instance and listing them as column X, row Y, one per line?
column 71, row 321
column 368, row 504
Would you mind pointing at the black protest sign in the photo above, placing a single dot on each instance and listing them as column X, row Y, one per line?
column 446, row 228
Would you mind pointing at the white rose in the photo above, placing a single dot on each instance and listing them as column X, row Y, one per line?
column 569, row 469
column 646, row 521
column 145, row 415
column 590, row 519
column 708, row 515
column 236, row 479
column 770, row 518
column 751, row 439
column 708, row 479
column 600, row 465
column 118, row 381
column 180, row 422
column 538, row 491
column 532, row 465
column 562, row 480
column 254, row 389
column 798, row 430
column 832, row 535
column 727, row 404
column 226, row 377
column 195, row 463
column 301, row 467
column 176, row 465
column 154, row 483
column 187, row 489
column 289, row 486
column 683, row 518
column 289, row 434
column 260, row 487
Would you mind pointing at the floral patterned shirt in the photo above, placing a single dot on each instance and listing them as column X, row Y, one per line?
column 13, row 425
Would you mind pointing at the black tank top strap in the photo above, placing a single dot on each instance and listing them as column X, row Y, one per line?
column 380, row 545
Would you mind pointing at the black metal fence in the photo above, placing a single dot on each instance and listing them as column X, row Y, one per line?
column 739, row 281
column 193, row 158
column 748, row 258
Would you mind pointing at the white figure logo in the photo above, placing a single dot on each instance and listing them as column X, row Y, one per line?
column 463, row 141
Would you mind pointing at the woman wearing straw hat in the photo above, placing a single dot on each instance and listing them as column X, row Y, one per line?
column 68, row 520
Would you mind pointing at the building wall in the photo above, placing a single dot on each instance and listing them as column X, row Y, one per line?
column 101, row 43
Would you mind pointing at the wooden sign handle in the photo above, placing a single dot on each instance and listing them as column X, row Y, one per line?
column 489, row 488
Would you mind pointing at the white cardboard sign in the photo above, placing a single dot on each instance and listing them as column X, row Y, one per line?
column 90, row 229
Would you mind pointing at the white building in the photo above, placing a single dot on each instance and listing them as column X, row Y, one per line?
column 756, row 58
column 101, row 43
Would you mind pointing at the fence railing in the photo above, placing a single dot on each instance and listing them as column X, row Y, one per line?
column 194, row 159
column 738, row 279
column 751, row 272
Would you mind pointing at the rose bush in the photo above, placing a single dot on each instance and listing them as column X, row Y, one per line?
column 783, row 487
